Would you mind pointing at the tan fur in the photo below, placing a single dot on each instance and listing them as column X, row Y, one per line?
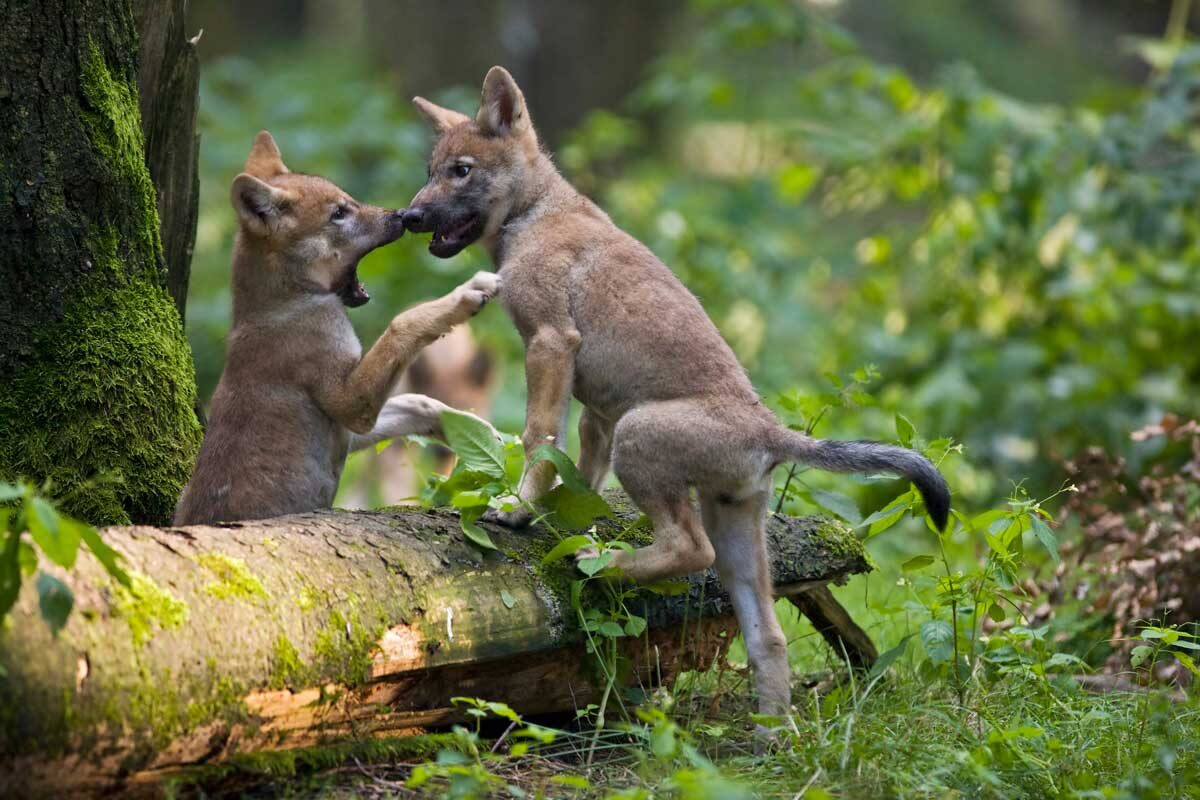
column 297, row 392
column 459, row 372
column 666, row 402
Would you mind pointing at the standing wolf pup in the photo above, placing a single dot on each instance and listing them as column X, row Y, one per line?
column 665, row 400
column 297, row 393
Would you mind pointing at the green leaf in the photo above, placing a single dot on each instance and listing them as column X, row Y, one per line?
column 1188, row 662
column 662, row 741
column 1044, row 535
column 573, row 781
column 467, row 519
column 109, row 558
column 470, row 499
column 574, row 510
column 995, row 613
column 28, row 558
column 590, row 566
column 565, row 466
column 567, row 547
column 889, row 515
column 635, row 626
column 938, row 637
column 55, row 601
column 838, row 504
column 9, row 492
column 59, row 542
column 916, row 563
column 611, row 630
column 905, row 431
column 885, row 661
column 1139, row 655
column 10, row 572
column 507, row 598
column 474, row 442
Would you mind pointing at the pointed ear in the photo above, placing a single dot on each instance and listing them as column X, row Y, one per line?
column 264, row 160
column 258, row 204
column 502, row 109
column 441, row 119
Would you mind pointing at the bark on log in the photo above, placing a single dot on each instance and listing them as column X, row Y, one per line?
column 317, row 627
column 169, row 96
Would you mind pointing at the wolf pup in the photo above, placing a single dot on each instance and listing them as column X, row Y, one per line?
column 297, row 393
column 666, row 402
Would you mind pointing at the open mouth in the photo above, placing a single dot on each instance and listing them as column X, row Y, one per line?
column 450, row 240
column 351, row 291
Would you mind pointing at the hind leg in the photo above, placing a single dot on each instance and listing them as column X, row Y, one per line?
column 595, row 448
column 736, row 527
column 649, row 462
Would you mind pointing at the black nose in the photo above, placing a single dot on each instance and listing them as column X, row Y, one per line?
column 413, row 218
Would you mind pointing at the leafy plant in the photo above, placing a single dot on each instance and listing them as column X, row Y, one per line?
column 31, row 527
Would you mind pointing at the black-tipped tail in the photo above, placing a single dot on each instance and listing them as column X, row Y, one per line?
column 862, row 456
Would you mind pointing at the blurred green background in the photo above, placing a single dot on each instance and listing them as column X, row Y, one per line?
column 992, row 201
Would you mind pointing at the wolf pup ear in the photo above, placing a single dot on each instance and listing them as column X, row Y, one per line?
column 441, row 119
column 264, row 160
column 502, row 109
column 259, row 205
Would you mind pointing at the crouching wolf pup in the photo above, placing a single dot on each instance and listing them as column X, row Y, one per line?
column 297, row 393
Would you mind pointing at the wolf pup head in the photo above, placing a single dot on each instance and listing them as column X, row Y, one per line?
column 480, row 171
column 311, row 234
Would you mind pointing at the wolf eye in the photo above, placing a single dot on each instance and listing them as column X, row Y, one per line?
column 339, row 213
column 462, row 170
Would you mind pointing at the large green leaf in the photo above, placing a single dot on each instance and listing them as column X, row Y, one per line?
column 938, row 637
column 60, row 542
column 55, row 600
column 110, row 558
column 10, row 567
column 1044, row 535
column 839, row 504
column 468, row 518
column 565, row 466
column 574, row 510
column 474, row 442
column 567, row 547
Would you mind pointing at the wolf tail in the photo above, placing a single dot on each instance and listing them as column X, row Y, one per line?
column 863, row 456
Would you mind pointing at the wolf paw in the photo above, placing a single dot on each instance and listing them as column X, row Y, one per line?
column 475, row 293
column 517, row 518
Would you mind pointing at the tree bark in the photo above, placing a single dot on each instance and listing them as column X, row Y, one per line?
column 310, row 629
column 169, row 97
column 98, row 381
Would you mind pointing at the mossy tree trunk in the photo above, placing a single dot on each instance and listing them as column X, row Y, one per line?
column 315, row 629
column 98, row 382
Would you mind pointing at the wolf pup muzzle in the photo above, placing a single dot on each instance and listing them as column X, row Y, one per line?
column 450, row 234
column 349, row 288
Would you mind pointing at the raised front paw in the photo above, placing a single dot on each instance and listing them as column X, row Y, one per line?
column 517, row 518
column 475, row 293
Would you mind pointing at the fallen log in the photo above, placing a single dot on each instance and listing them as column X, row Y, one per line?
column 328, row 626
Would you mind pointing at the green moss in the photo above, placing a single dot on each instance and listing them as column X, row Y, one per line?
column 234, row 578
column 103, row 410
column 115, row 130
column 145, row 606
column 286, row 667
column 307, row 599
column 342, row 649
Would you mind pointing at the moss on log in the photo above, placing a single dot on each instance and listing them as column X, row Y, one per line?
column 322, row 627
